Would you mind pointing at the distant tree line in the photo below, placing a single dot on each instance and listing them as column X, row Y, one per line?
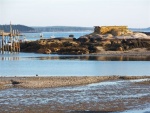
column 62, row 29
column 23, row 28
column 20, row 28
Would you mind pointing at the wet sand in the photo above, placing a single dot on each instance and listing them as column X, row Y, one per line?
column 74, row 94
column 57, row 81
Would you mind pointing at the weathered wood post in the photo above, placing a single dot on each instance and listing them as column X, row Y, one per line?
column 13, row 46
column 7, row 43
column 19, row 46
column 3, row 43
column 0, row 46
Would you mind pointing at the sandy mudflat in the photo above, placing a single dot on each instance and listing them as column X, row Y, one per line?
column 57, row 81
column 92, row 94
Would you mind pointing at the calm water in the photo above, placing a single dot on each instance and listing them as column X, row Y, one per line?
column 36, row 36
column 30, row 64
column 139, row 30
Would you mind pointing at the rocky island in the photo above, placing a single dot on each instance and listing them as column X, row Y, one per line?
column 104, row 40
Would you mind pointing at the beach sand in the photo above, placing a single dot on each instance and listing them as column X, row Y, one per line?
column 58, row 81
column 73, row 94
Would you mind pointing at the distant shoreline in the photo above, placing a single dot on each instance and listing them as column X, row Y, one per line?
column 39, row 29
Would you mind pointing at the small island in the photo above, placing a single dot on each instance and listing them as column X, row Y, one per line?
column 104, row 40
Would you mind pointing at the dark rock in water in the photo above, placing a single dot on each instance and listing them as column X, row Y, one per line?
column 83, row 39
column 15, row 82
column 71, row 35
column 73, row 50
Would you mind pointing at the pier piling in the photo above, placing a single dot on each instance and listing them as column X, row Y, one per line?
column 9, row 42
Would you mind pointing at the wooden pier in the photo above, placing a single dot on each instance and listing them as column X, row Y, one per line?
column 9, row 41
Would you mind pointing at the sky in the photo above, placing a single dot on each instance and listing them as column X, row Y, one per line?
column 87, row 13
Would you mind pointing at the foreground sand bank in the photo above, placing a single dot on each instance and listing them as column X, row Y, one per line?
column 57, row 81
column 107, row 94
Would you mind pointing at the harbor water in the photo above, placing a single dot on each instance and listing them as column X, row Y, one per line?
column 30, row 64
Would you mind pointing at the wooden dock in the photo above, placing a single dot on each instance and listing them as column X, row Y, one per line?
column 9, row 41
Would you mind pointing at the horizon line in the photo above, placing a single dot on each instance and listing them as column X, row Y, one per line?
column 72, row 26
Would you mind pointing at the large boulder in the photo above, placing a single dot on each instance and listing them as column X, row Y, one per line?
column 107, row 36
column 42, row 42
column 70, row 43
column 121, row 32
column 128, row 33
column 139, row 35
column 83, row 39
column 73, row 50
column 96, row 36
column 99, row 49
column 105, row 42
column 44, row 51
column 116, row 32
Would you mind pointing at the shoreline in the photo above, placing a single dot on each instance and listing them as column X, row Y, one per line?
column 59, row 81
column 133, row 52
column 81, row 95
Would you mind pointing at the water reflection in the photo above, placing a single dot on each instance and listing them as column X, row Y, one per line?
column 97, row 58
column 32, row 56
column 9, row 58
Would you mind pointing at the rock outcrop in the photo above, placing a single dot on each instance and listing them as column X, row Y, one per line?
column 114, row 30
column 81, row 46
column 105, row 38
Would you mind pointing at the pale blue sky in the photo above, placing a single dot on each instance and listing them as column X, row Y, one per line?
column 133, row 13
